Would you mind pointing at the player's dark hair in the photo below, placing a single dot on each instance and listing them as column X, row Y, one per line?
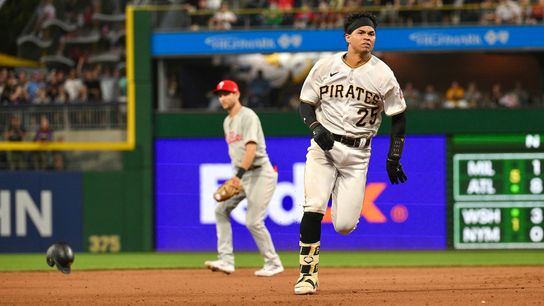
column 353, row 17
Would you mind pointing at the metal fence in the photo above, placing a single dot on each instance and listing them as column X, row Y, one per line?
column 90, row 121
column 82, row 116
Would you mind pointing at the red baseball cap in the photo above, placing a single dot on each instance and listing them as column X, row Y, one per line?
column 227, row 85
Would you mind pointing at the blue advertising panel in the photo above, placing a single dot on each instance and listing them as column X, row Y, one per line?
column 38, row 209
column 406, row 216
column 389, row 39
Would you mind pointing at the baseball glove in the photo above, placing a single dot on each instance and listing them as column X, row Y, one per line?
column 226, row 191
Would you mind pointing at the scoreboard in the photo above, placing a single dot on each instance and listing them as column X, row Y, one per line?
column 509, row 176
column 498, row 191
column 480, row 225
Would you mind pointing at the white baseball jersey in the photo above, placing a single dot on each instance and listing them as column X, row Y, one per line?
column 349, row 100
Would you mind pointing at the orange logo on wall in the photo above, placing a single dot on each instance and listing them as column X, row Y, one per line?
column 370, row 211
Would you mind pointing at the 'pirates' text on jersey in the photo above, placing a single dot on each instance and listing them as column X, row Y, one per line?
column 349, row 100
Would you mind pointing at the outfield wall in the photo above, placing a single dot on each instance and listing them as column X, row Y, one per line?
column 118, row 207
column 196, row 139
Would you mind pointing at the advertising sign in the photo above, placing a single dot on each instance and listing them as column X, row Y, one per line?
column 311, row 40
column 405, row 216
column 38, row 209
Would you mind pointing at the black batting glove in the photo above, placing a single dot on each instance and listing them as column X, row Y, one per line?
column 323, row 137
column 395, row 172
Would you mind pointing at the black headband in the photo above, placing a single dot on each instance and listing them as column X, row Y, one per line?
column 363, row 21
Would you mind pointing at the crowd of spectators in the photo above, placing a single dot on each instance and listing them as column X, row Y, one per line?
column 97, row 84
column 224, row 15
column 77, row 73
column 469, row 95
column 259, row 94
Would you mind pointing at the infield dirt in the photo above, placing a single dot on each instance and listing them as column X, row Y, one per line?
column 513, row 285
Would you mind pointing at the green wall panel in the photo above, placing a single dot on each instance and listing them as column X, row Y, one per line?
column 139, row 164
column 118, row 206
column 138, row 191
column 457, row 121
column 172, row 125
column 104, row 203
column 192, row 124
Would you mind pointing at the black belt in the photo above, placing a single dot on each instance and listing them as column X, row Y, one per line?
column 351, row 142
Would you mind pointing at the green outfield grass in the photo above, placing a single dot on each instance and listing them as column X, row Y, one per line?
column 87, row 261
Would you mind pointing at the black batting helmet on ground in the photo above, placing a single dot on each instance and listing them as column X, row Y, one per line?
column 60, row 254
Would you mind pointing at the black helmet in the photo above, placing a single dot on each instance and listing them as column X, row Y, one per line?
column 60, row 254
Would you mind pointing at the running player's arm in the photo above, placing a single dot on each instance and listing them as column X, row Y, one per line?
column 394, row 168
column 307, row 113
column 395, row 106
column 320, row 134
column 398, row 129
column 309, row 96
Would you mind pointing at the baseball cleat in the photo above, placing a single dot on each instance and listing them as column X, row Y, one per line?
column 269, row 271
column 306, row 284
column 219, row 266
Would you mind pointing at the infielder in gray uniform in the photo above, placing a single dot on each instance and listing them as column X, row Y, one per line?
column 341, row 102
column 257, row 177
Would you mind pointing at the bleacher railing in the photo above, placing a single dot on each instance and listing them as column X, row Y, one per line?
column 85, row 126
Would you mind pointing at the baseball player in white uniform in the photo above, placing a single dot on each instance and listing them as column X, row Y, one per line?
column 341, row 102
column 247, row 151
